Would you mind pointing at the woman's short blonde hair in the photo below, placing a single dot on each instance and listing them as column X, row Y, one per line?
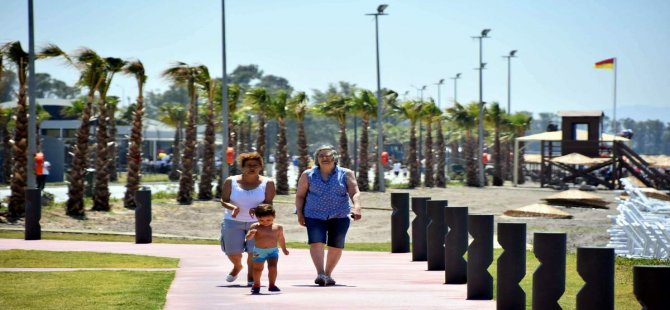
column 244, row 157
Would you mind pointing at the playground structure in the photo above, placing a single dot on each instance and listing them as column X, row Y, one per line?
column 581, row 151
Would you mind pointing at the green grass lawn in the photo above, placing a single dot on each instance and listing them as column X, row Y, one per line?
column 89, row 289
column 84, row 289
column 55, row 259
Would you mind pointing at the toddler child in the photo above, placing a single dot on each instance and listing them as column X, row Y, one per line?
column 267, row 235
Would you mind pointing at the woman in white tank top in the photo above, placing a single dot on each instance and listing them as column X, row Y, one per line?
column 241, row 194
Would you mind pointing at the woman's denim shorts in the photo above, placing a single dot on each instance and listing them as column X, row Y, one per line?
column 332, row 232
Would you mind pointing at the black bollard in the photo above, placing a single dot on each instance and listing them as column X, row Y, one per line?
column 596, row 267
column 419, row 229
column 480, row 257
column 33, row 230
column 549, row 277
column 143, row 216
column 455, row 245
column 435, row 231
column 511, row 266
column 650, row 286
column 399, row 223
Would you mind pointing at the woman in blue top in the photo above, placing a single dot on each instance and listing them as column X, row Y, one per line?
column 326, row 196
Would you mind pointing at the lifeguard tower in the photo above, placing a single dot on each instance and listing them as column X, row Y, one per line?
column 581, row 150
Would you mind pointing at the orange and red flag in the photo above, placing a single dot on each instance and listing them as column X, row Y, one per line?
column 605, row 64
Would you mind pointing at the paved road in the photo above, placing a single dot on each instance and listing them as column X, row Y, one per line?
column 365, row 280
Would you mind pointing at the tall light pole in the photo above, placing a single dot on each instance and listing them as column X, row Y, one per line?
column 455, row 78
column 380, row 129
column 224, row 95
column 480, row 134
column 32, row 83
column 509, row 79
column 439, row 95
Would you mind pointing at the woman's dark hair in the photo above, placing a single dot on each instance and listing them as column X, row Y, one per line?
column 264, row 209
column 331, row 148
column 244, row 157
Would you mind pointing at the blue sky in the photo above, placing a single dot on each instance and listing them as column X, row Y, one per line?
column 313, row 43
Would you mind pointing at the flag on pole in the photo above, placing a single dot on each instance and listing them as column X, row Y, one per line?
column 605, row 64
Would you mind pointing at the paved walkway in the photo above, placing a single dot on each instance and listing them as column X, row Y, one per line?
column 370, row 280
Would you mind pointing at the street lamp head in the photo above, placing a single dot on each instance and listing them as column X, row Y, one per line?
column 381, row 8
column 440, row 82
column 485, row 32
column 424, row 87
column 458, row 75
column 512, row 53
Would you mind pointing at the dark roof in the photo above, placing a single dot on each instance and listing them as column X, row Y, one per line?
column 581, row 113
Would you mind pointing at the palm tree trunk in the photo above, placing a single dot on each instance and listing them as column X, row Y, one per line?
column 176, row 155
column 111, row 151
column 282, row 161
column 471, row 176
column 260, row 139
column 507, row 160
column 208, row 167
column 101, row 191
column 184, row 196
column 440, row 177
column 429, row 180
column 17, row 200
column 522, row 177
column 414, row 178
column 303, row 152
column 8, row 160
column 134, row 155
column 344, row 160
column 497, row 159
column 363, row 168
column 75, row 202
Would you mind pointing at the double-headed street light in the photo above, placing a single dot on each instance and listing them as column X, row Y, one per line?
column 484, row 34
column 439, row 104
column 455, row 78
column 380, row 137
column 509, row 79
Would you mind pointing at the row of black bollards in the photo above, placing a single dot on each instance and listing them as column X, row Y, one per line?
column 33, row 229
column 440, row 237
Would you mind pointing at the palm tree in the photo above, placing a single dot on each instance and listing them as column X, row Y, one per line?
column 15, row 54
column 336, row 107
column 112, row 105
column 259, row 99
column 277, row 110
column 298, row 105
column 136, row 69
column 184, row 74
column 494, row 117
column 233, row 98
column 440, row 174
column 6, row 122
column 411, row 110
column 364, row 103
column 429, row 112
column 207, row 175
column 520, row 122
column 91, row 68
column 465, row 117
column 174, row 115
column 104, row 158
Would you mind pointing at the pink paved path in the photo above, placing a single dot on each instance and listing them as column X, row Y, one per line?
column 369, row 280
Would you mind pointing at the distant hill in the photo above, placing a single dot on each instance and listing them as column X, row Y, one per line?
column 643, row 113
